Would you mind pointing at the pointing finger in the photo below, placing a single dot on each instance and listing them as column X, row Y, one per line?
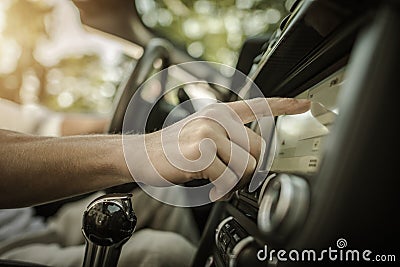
column 250, row 110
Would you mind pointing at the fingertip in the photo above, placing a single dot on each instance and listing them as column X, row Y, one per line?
column 289, row 106
column 216, row 195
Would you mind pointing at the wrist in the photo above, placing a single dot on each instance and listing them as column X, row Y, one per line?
column 118, row 159
column 132, row 160
column 145, row 160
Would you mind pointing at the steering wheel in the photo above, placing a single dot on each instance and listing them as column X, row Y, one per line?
column 156, row 50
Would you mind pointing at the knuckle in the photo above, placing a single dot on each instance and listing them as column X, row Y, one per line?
column 218, row 110
column 204, row 130
column 289, row 102
column 215, row 106
column 212, row 109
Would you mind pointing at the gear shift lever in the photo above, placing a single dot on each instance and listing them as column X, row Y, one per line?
column 108, row 223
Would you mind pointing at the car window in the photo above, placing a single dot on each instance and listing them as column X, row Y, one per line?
column 48, row 57
column 211, row 30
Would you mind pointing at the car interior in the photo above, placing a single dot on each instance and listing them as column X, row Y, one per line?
column 332, row 173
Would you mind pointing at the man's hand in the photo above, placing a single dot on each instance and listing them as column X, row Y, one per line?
column 211, row 144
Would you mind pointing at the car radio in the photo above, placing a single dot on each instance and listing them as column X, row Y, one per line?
column 300, row 139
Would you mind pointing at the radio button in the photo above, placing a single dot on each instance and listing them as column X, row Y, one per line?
column 283, row 206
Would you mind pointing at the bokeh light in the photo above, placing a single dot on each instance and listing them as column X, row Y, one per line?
column 48, row 58
column 211, row 30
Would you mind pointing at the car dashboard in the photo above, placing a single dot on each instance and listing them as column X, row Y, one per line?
column 309, row 57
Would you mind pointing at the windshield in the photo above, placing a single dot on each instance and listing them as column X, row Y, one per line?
column 47, row 57
column 211, row 30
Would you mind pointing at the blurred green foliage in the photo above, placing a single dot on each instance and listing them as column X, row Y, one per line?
column 211, row 30
column 79, row 81
column 83, row 83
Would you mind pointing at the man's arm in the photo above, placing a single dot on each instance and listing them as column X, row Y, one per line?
column 37, row 169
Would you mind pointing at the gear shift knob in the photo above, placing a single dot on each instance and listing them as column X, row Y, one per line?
column 108, row 223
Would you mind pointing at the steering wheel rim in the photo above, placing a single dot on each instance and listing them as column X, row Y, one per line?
column 156, row 49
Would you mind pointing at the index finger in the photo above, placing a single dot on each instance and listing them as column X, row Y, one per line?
column 250, row 110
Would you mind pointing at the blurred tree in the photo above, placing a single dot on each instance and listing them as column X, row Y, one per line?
column 25, row 23
column 209, row 29
column 80, row 81
column 75, row 84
